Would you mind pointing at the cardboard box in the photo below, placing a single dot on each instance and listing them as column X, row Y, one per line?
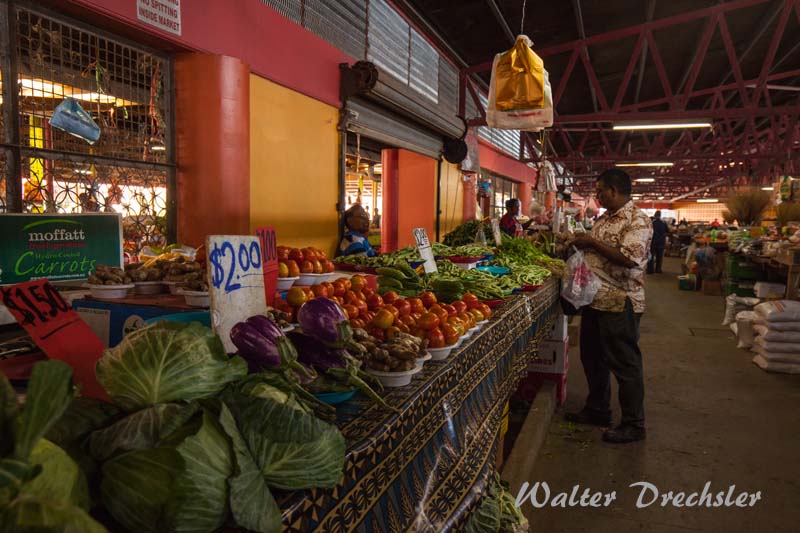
column 712, row 288
column 769, row 290
column 111, row 321
column 558, row 332
column 551, row 357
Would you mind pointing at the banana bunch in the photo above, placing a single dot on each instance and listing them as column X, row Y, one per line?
column 400, row 278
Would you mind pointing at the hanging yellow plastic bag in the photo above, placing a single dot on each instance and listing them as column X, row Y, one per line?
column 510, row 85
column 519, row 75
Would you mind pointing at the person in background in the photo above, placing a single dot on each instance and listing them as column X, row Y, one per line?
column 509, row 223
column 658, row 244
column 715, row 224
column 376, row 219
column 616, row 251
column 355, row 240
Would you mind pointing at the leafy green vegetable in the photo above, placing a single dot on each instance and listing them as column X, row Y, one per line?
column 9, row 408
column 498, row 512
column 60, row 480
column 29, row 514
column 50, row 391
column 174, row 479
column 167, row 362
column 486, row 518
column 252, row 504
column 294, row 450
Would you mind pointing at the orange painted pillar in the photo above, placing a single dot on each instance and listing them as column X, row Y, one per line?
column 416, row 196
column 212, row 127
column 550, row 201
column 525, row 198
column 390, row 181
column 470, row 198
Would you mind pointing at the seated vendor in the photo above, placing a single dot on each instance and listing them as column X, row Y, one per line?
column 355, row 240
column 509, row 223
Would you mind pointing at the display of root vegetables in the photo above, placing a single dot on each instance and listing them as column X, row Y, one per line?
column 189, row 274
column 399, row 354
column 108, row 275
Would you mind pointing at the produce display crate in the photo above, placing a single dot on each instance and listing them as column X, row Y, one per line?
column 738, row 268
column 687, row 283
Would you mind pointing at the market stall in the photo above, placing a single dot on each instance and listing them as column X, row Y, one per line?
column 425, row 467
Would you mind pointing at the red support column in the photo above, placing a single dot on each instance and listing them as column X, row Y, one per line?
column 524, row 198
column 469, row 200
column 391, row 192
column 212, row 125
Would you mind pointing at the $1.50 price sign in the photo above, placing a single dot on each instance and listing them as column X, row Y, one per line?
column 269, row 254
column 58, row 330
column 235, row 281
column 424, row 247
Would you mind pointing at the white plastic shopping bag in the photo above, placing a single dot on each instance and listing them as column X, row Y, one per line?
column 580, row 284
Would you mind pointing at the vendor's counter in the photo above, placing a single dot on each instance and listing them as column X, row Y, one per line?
column 422, row 469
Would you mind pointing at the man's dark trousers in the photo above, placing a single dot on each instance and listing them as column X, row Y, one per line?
column 610, row 344
column 656, row 259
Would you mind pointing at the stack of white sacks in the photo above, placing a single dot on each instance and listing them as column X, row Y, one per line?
column 739, row 316
column 777, row 342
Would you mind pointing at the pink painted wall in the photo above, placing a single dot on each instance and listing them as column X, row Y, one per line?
column 498, row 162
column 274, row 47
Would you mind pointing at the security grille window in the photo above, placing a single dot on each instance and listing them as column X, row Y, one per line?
column 402, row 52
column 505, row 140
column 123, row 88
column 502, row 189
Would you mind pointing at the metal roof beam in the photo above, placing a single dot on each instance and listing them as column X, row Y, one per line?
column 651, row 10
column 576, row 7
column 501, row 20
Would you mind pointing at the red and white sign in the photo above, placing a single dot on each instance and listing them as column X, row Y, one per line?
column 58, row 330
column 269, row 252
column 162, row 14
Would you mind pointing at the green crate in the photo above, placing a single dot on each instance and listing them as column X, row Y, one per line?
column 740, row 289
column 687, row 283
column 740, row 268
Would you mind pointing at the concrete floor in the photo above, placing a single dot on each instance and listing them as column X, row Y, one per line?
column 712, row 415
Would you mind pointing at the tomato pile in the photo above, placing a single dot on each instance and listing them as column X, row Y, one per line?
column 384, row 316
column 295, row 261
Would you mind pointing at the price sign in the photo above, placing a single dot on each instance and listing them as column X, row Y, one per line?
column 498, row 239
column 235, row 282
column 424, row 247
column 269, row 255
column 57, row 330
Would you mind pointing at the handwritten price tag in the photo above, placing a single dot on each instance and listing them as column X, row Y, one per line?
column 424, row 247
column 269, row 254
column 236, row 282
column 57, row 330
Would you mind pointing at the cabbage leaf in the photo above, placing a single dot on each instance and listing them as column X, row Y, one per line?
column 60, row 480
column 29, row 514
column 167, row 362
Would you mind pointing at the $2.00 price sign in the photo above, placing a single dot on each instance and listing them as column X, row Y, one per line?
column 424, row 247
column 235, row 281
column 58, row 330
column 269, row 253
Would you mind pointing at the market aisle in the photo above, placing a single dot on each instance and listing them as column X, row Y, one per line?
column 712, row 416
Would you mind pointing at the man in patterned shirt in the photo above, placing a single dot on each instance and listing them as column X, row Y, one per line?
column 616, row 251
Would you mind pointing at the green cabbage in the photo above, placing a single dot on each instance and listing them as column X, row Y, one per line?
column 60, row 480
column 167, row 362
column 29, row 514
column 179, row 484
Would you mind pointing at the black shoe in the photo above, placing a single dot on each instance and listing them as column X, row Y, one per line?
column 623, row 434
column 588, row 417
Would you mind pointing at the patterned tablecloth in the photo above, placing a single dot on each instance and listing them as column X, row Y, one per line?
column 424, row 469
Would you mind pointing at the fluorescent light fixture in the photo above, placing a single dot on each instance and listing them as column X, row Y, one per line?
column 707, row 201
column 158, row 148
column 377, row 169
column 646, row 164
column 767, row 188
column 660, row 197
column 84, row 171
column 663, row 125
column 645, row 180
column 773, row 87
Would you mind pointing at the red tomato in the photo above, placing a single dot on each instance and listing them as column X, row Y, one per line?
column 367, row 292
column 383, row 319
column 477, row 314
column 402, row 327
column 376, row 332
column 460, row 306
column 362, row 307
column 437, row 310
column 351, row 311
column 435, row 338
column 416, row 305
column 374, row 302
column 457, row 323
column 428, row 321
column 417, row 316
column 402, row 305
column 428, row 298
column 389, row 297
column 451, row 311
column 467, row 319
column 320, row 291
column 358, row 282
column 473, row 305
column 392, row 309
column 486, row 310
column 419, row 333
column 451, row 334
column 368, row 316
column 357, row 323
column 338, row 288
column 350, row 297
column 408, row 320
column 391, row 332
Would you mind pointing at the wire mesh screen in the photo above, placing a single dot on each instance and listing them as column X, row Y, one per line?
column 124, row 90
column 3, row 181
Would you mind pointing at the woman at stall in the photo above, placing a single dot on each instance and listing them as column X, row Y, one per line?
column 509, row 223
column 355, row 240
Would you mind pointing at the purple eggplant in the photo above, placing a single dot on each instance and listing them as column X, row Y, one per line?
column 266, row 327
column 256, row 349
column 324, row 319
